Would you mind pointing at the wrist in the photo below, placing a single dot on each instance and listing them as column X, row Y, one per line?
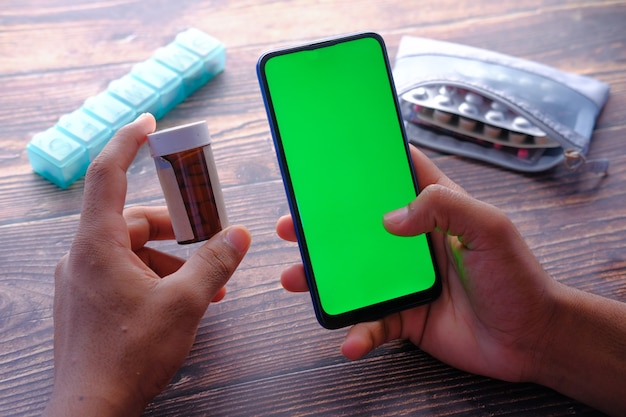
column 82, row 398
column 79, row 405
column 546, row 359
column 581, row 355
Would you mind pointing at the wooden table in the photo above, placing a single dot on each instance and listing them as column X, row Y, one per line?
column 261, row 352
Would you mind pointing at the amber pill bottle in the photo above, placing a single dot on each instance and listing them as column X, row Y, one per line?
column 186, row 170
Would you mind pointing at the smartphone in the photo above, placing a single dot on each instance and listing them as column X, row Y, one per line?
column 345, row 162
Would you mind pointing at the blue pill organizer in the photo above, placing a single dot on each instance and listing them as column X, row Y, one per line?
column 62, row 153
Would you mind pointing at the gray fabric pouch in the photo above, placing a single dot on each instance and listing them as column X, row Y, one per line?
column 522, row 115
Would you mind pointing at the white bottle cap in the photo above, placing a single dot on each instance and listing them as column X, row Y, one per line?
column 179, row 138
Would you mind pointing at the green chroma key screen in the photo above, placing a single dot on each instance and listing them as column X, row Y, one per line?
column 345, row 164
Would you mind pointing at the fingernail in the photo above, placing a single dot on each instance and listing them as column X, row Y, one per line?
column 238, row 238
column 143, row 116
column 396, row 216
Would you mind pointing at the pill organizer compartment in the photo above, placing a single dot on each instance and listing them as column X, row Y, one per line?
column 62, row 153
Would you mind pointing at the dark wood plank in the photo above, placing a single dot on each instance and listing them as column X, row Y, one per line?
column 260, row 351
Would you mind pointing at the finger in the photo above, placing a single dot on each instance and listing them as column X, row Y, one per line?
column 105, row 182
column 428, row 173
column 440, row 208
column 163, row 264
column 220, row 295
column 203, row 276
column 362, row 338
column 293, row 279
column 285, row 229
column 146, row 224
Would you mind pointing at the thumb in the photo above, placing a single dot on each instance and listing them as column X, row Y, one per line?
column 439, row 208
column 204, row 274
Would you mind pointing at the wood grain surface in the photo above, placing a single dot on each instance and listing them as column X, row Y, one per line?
column 261, row 351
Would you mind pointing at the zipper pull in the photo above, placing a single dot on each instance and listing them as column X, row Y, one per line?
column 576, row 161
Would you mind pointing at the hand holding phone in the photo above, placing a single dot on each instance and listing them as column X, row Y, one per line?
column 344, row 159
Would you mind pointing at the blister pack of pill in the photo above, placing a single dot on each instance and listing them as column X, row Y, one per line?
column 473, row 117
column 62, row 153
column 504, row 110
